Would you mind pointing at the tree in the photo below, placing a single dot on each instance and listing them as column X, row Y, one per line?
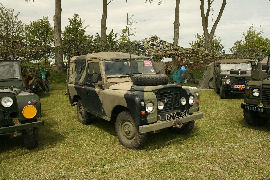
column 176, row 24
column 205, row 21
column 216, row 45
column 11, row 34
column 75, row 40
column 103, row 24
column 253, row 45
column 57, row 37
column 39, row 39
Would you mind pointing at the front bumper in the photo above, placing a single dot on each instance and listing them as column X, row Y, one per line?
column 165, row 124
column 235, row 90
column 255, row 108
column 20, row 127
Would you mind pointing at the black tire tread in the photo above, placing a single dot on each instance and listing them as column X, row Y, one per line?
column 150, row 79
column 83, row 118
column 139, row 139
column 186, row 128
column 30, row 138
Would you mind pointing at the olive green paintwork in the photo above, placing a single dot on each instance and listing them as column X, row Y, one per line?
column 227, row 82
column 113, row 93
column 11, row 118
column 260, row 80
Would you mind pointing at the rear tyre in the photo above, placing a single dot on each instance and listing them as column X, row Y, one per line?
column 30, row 138
column 83, row 115
column 127, row 131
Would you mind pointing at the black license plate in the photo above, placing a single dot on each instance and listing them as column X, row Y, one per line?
column 254, row 108
column 175, row 115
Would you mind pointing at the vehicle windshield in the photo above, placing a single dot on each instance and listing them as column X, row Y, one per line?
column 127, row 68
column 9, row 70
column 226, row 68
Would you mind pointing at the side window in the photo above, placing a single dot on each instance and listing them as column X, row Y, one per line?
column 79, row 68
column 93, row 74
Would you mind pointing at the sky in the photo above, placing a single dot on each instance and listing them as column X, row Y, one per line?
column 154, row 19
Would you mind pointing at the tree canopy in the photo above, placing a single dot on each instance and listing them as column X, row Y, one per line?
column 253, row 45
column 75, row 40
column 199, row 43
column 39, row 39
column 11, row 34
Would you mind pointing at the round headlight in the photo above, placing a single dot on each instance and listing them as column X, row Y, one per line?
column 191, row 100
column 255, row 92
column 7, row 101
column 183, row 101
column 228, row 81
column 160, row 105
column 149, row 107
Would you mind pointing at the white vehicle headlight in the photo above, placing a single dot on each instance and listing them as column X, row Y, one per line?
column 256, row 92
column 149, row 107
column 7, row 101
column 191, row 100
column 228, row 81
column 160, row 105
column 183, row 101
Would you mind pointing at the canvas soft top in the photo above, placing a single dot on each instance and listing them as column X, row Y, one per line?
column 109, row 56
column 233, row 61
column 264, row 61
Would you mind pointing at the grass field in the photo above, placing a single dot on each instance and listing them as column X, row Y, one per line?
column 221, row 146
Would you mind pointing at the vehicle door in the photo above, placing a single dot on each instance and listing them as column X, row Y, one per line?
column 91, row 89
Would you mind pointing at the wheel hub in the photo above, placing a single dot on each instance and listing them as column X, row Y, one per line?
column 128, row 130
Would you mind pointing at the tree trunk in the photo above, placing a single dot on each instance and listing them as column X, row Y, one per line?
column 205, row 18
column 176, row 32
column 176, row 24
column 103, row 25
column 57, row 37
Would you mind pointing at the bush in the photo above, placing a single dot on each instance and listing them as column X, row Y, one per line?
column 57, row 77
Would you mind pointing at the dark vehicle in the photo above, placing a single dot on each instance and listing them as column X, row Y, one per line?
column 19, row 109
column 230, row 76
column 256, row 104
column 127, row 90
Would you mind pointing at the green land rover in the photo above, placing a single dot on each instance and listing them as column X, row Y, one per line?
column 19, row 109
column 127, row 90
column 256, row 104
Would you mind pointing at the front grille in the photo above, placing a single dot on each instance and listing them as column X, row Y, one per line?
column 266, row 95
column 238, row 72
column 171, row 98
column 240, row 80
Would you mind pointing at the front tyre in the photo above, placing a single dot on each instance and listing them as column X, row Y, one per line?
column 83, row 115
column 222, row 93
column 127, row 131
column 253, row 118
column 186, row 128
column 30, row 138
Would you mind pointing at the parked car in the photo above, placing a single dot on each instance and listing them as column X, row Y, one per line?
column 127, row 90
column 256, row 104
column 19, row 109
column 230, row 76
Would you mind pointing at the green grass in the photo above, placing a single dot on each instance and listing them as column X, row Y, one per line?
column 221, row 146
